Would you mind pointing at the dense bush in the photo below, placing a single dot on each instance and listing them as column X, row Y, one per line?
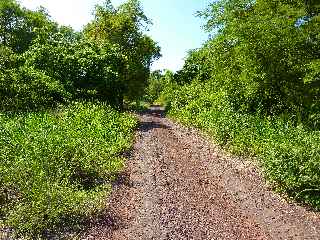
column 57, row 166
column 20, row 26
column 110, row 60
column 290, row 154
column 58, row 157
column 8, row 59
column 255, row 87
column 264, row 56
column 25, row 88
column 157, row 84
column 81, row 66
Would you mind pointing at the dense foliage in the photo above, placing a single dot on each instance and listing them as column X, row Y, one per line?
column 265, row 56
column 255, row 86
column 60, row 141
column 109, row 61
column 19, row 26
column 56, row 167
column 124, row 26
column 159, row 81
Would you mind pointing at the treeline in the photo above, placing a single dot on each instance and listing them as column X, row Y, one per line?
column 255, row 86
column 265, row 57
column 43, row 64
column 61, row 136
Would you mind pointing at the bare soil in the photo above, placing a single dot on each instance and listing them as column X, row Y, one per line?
column 179, row 185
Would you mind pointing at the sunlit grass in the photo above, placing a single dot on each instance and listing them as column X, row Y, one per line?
column 56, row 167
column 289, row 153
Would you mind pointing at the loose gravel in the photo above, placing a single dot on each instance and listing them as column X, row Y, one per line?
column 179, row 185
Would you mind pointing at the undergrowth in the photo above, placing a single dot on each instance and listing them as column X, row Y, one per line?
column 57, row 166
column 289, row 151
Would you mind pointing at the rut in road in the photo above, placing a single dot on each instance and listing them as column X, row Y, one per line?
column 179, row 185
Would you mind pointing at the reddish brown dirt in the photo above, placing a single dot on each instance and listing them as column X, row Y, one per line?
column 179, row 185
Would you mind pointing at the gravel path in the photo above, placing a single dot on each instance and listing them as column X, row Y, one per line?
column 178, row 185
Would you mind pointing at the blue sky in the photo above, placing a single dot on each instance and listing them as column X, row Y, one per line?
column 175, row 26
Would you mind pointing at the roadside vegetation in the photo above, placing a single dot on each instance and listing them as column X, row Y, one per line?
column 62, row 132
column 255, row 87
column 57, row 167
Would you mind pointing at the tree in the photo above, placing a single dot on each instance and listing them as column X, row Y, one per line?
column 19, row 26
column 263, row 54
column 124, row 26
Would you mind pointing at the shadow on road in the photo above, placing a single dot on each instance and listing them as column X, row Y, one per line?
column 156, row 111
column 147, row 126
column 153, row 113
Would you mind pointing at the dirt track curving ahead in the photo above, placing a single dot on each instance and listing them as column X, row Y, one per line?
column 178, row 185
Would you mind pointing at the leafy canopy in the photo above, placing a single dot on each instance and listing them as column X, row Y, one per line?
column 125, row 27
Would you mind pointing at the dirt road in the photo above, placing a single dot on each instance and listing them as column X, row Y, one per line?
column 178, row 185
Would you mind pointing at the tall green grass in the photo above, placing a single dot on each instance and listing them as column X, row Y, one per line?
column 289, row 152
column 56, row 167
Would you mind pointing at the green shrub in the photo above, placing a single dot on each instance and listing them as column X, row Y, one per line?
column 158, row 82
column 80, row 66
column 56, row 167
column 25, row 88
column 289, row 153
column 8, row 59
column 255, row 87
